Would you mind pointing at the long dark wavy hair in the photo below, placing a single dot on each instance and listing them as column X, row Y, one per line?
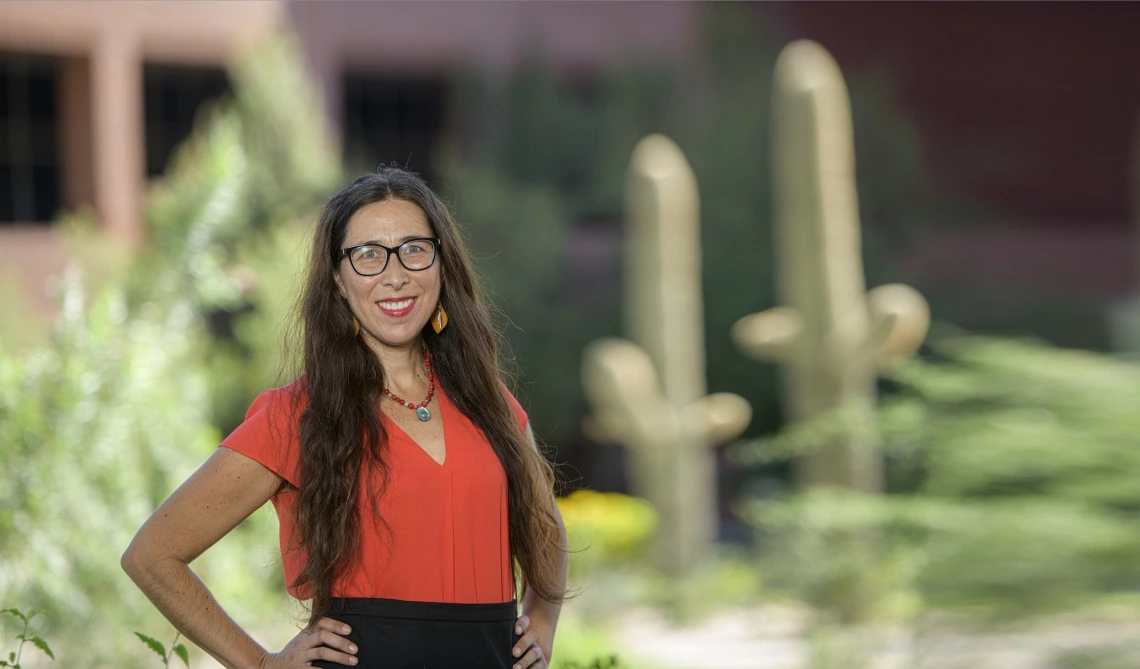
column 340, row 427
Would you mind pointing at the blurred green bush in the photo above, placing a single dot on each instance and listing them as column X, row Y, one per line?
column 148, row 359
column 1014, row 475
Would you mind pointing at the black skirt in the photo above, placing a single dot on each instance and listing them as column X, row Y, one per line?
column 426, row 635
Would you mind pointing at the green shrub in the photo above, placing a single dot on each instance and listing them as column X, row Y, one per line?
column 1014, row 492
column 138, row 383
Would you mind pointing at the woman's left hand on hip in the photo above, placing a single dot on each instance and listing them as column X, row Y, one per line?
column 529, row 648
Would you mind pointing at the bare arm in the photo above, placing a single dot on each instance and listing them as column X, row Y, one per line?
column 539, row 617
column 225, row 490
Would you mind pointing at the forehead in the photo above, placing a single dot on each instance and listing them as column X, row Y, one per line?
column 388, row 222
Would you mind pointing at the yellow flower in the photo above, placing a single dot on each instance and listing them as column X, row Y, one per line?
column 606, row 527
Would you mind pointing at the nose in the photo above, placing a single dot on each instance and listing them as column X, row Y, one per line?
column 395, row 275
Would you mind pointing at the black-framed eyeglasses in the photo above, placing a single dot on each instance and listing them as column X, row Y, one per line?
column 372, row 259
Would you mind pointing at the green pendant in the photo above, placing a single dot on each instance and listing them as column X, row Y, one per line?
column 423, row 414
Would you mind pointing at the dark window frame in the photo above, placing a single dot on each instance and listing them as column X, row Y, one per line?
column 173, row 97
column 31, row 189
column 390, row 118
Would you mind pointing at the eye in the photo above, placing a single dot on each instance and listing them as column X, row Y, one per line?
column 369, row 253
column 413, row 248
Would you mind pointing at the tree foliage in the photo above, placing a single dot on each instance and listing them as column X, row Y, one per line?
column 146, row 362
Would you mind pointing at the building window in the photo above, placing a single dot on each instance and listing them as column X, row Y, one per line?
column 388, row 120
column 174, row 94
column 29, row 156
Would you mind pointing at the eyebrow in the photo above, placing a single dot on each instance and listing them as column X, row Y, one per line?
column 373, row 242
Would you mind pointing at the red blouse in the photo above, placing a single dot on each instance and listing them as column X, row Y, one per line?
column 445, row 527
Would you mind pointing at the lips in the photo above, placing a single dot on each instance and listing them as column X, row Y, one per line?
column 397, row 307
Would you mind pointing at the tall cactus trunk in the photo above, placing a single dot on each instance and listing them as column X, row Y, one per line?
column 831, row 335
column 648, row 393
column 664, row 314
column 820, row 264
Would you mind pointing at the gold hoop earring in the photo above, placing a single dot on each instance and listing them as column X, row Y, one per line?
column 355, row 327
column 439, row 319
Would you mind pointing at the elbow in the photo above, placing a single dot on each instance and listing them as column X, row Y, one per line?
column 148, row 567
column 137, row 563
column 131, row 563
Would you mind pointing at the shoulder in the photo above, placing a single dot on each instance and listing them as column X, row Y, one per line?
column 269, row 433
column 285, row 402
column 297, row 391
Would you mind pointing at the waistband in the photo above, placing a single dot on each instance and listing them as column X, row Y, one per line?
column 398, row 608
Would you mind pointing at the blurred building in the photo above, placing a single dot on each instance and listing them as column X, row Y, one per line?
column 1031, row 109
column 95, row 95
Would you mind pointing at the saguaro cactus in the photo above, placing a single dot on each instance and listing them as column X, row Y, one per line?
column 829, row 335
column 1124, row 317
column 648, row 393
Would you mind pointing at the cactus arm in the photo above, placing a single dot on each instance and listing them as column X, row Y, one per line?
column 907, row 317
column 774, row 334
column 628, row 407
column 717, row 418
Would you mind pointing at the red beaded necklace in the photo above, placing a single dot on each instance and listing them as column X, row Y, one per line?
column 421, row 409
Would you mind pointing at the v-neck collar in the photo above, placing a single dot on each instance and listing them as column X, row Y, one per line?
column 438, row 413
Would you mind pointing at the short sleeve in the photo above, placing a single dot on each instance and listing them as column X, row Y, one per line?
column 516, row 409
column 269, row 435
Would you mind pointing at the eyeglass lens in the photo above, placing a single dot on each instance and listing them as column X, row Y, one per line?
column 416, row 254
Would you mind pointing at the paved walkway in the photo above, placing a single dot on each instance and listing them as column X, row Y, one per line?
column 768, row 638
column 772, row 638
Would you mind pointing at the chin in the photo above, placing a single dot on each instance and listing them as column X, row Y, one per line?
column 398, row 337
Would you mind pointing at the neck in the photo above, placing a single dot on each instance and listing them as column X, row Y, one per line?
column 403, row 366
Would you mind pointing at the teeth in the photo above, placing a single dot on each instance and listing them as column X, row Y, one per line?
column 396, row 306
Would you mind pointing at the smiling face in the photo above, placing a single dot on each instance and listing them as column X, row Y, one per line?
column 392, row 306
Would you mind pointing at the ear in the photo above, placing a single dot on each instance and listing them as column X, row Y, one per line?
column 339, row 284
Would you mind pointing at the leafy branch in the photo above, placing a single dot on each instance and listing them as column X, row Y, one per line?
column 175, row 649
column 14, row 657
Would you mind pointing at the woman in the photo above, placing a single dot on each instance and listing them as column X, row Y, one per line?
column 401, row 519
